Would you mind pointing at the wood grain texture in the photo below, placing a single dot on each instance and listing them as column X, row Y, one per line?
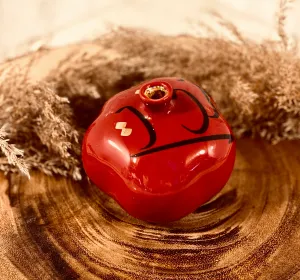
column 57, row 229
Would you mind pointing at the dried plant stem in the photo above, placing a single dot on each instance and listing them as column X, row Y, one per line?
column 12, row 153
column 281, row 22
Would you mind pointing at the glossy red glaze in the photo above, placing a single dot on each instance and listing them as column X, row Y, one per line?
column 175, row 154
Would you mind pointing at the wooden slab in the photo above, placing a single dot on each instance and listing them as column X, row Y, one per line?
column 53, row 228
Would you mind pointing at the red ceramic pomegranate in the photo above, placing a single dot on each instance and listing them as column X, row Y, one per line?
column 160, row 149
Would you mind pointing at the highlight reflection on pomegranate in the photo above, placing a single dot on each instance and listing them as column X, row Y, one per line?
column 160, row 149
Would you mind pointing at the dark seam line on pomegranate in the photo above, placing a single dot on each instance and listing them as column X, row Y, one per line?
column 205, row 124
column 185, row 142
column 147, row 124
column 208, row 98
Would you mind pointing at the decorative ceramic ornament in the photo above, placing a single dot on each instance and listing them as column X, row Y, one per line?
column 160, row 149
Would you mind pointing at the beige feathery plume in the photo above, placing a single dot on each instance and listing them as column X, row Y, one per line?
column 12, row 153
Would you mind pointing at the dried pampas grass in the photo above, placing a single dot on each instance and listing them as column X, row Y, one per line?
column 256, row 85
